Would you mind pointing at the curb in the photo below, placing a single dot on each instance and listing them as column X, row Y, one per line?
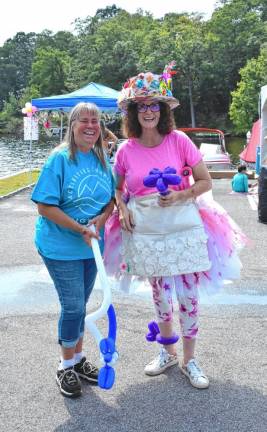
column 24, row 171
column 17, row 191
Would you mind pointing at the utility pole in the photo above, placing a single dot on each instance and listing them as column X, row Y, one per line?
column 192, row 111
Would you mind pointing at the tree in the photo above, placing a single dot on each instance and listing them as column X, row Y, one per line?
column 16, row 57
column 89, row 25
column 108, row 12
column 111, row 54
column 189, row 54
column 245, row 99
column 61, row 40
column 237, row 32
column 8, row 78
column 49, row 71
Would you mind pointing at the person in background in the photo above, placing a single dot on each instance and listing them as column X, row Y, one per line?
column 75, row 190
column 109, row 138
column 240, row 180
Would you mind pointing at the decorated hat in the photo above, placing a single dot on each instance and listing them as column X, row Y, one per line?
column 149, row 86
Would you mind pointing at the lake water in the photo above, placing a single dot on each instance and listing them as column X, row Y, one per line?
column 15, row 153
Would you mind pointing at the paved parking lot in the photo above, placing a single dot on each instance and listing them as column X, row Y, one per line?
column 231, row 347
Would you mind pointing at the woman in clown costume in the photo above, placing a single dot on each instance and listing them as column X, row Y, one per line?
column 188, row 259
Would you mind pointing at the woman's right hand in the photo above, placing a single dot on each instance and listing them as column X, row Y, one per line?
column 126, row 219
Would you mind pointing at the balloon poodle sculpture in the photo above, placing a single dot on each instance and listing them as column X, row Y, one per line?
column 161, row 180
column 107, row 346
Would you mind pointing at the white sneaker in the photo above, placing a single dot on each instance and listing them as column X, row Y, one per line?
column 196, row 376
column 163, row 361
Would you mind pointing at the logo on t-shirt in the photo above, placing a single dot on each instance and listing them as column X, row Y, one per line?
column 90, row 191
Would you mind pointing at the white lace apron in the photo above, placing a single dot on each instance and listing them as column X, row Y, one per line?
column 166, row 241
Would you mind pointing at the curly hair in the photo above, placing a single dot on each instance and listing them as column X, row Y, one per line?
column 131, row 127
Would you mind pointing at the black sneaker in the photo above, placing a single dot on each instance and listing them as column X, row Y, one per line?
column 86, row 370
column 69, row 382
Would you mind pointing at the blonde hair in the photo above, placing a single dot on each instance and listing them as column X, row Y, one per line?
column 69, row 142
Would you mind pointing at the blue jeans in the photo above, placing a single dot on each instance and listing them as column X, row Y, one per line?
column 74, row 281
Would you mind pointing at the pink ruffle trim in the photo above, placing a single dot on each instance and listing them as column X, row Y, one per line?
column 225, row 240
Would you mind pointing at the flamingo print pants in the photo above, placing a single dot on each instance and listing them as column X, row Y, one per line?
column 186, row 290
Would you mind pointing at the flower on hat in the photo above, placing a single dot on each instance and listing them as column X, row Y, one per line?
column 150, row 77
column 154, row 84
column 147, row 85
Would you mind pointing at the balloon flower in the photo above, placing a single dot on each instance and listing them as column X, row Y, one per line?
column 161, row 179
column 29, row 109
column 107, row 346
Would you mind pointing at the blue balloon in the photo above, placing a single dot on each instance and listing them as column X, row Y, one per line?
column 106, row 377
column 161, row 179
column 107, row 346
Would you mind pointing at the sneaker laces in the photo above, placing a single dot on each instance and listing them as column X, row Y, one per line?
column 193, row 369
column 163, row 357
column 88, row 367
column 70, row 377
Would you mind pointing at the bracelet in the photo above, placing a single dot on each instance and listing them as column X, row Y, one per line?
column 167, row 340
column 154, row 335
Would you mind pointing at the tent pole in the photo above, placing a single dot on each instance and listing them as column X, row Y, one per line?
column 61, row 126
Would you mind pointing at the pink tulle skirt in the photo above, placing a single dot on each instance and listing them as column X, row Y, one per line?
column 225, row 240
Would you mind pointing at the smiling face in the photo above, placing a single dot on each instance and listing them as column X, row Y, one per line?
column 86, row 130
column 148, row 114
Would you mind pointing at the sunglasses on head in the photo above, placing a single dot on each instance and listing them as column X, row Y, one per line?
column 142, row 107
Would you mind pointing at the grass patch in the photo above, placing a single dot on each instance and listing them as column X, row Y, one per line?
column 17, row 181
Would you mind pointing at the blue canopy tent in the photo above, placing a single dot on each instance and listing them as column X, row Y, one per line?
column 104, row 97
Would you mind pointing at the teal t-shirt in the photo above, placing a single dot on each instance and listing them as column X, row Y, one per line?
column 80, row 189
column 240, row 183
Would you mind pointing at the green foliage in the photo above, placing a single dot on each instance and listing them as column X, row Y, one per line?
column 244, row 106
column 49, row 71
column 113, row 45
column 16, row 58
column 239, row 32
column 8, row 77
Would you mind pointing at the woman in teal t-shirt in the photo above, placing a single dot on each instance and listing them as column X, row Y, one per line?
column 75, row 190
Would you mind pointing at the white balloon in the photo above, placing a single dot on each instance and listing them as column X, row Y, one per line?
column 102, row 311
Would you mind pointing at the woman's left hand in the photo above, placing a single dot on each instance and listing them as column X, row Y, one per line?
column 171, row 198
column 98, row 221
column 88, row 234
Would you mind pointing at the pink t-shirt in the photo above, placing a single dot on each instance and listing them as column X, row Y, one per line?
column 134, row 161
